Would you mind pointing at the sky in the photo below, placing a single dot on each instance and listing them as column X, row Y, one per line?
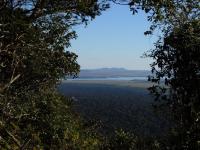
column 114, row 39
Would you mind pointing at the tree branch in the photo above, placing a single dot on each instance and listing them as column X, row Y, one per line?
column 14, row 139
column 37, row 11
column 118, row 3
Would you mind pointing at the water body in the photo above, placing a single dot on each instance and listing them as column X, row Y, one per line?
column 111, row 78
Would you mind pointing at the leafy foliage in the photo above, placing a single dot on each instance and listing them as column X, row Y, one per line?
column 34, row 36
column 176, row 56
column 164, row 14
column 43, row 120
column 177, row 61
column 129, row 141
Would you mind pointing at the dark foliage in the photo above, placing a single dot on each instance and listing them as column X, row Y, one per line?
column 178, row 62
column 34, row 36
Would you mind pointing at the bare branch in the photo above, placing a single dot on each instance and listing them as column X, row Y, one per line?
column 14, row 138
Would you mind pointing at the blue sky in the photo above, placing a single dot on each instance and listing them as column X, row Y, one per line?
column 114, row 39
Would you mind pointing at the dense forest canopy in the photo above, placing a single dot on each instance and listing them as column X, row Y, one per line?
column 34, row 38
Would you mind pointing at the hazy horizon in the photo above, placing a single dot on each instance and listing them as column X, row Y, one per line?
column 115, row 68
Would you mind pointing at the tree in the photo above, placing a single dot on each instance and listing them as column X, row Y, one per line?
column 50, row 22
column 177, row 60
column 164, row 14
column 34, row 37
column 176, row 56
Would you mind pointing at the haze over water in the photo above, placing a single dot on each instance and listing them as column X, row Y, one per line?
column 113, row 78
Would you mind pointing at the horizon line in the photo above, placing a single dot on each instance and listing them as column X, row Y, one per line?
column 98, row 68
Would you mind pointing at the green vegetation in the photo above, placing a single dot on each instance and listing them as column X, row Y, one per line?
column 117, row 105
column 34, row 38
column 178, row 62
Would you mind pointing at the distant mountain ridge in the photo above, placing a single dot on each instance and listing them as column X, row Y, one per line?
column 112, row 72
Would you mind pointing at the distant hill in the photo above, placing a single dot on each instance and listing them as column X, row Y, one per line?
column 112, row 72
